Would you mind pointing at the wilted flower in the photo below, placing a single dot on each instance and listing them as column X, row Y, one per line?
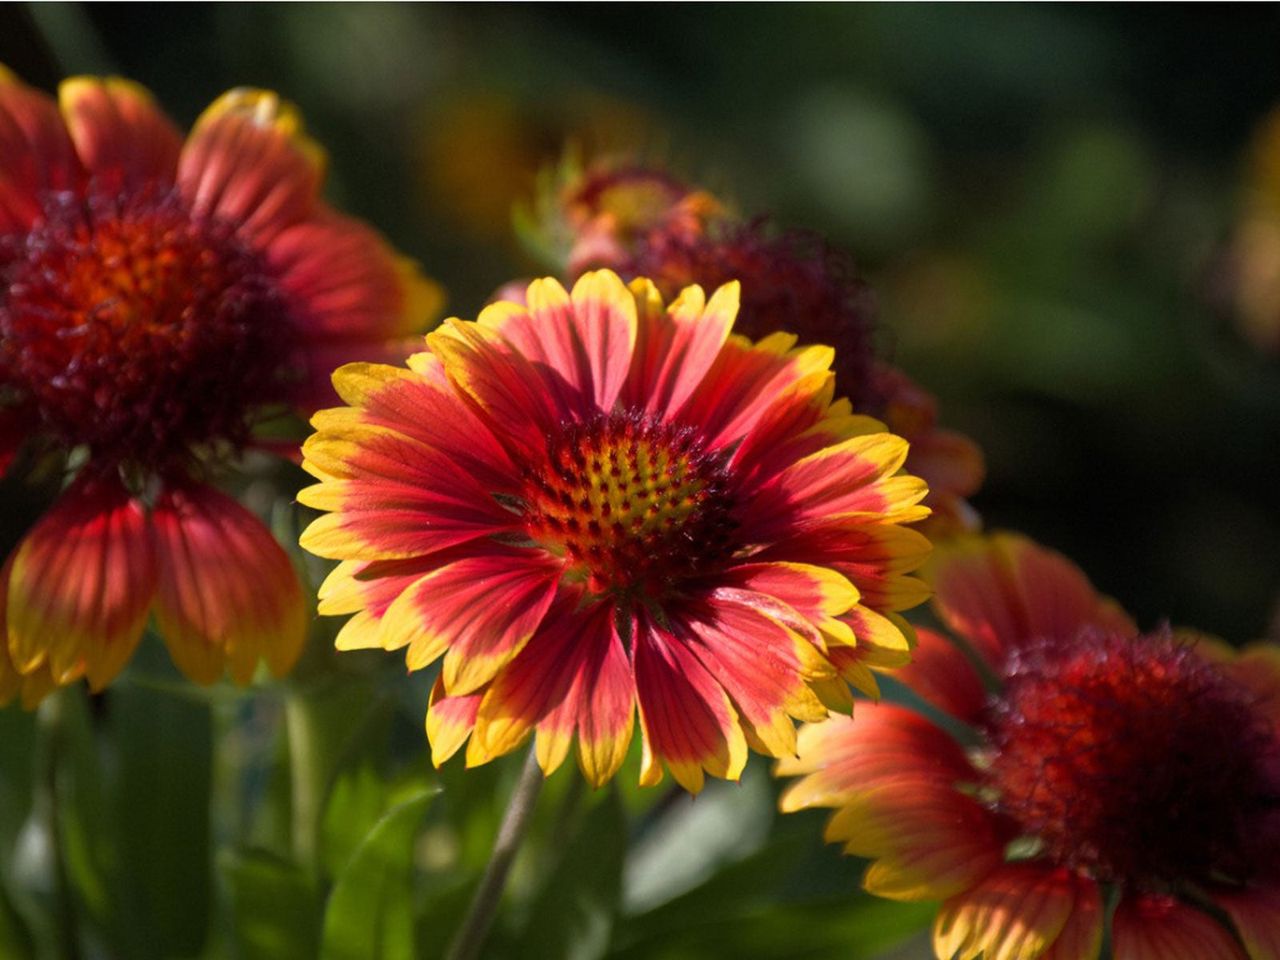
column 1106, row 766
column 161, row 299
column 597, row 503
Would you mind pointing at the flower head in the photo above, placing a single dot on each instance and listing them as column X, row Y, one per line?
column 1104, row 763
column 597, row 503
column 603, row 215
column 642, row 221
column 161, row 300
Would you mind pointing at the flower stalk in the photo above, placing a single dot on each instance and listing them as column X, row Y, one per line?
column 515, row 823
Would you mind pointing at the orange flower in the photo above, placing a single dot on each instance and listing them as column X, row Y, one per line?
column 597, row 504
column 1106, row 766
column 161, row 298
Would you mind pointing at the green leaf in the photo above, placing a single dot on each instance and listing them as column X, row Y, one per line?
column 78, row 804
column 358, row 798
column 164, row 748
column 370, row 911
column 15, row 938
column 17, row 774
column 275, row 912
column 572, row 917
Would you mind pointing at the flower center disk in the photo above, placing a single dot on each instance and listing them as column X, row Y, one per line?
column 138, row 330
column 1138, row 761
column 635, row 506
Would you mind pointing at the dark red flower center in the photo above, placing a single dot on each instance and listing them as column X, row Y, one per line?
column 1137, row 760
column 137, row 330
column 634, row 505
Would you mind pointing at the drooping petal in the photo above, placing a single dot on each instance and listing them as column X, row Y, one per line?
column 1002, row 591
column 1256, row 915
column 676, row 346
column 36, row 153
column 30, row 688
column 248, row 162
column 1160, row 927
column 949, row 462
column 82, row 582
column 928, row 840
column 352, row 297
column 839, row 757
column 1014, row 913
column 688, row 722
column 228, row 594
column 122, row 137
column 942, row 675
column 1081, row 936
column 480, row 611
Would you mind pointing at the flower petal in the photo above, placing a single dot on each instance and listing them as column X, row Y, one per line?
column 479, row 611
column 391, row 498
column 248, row 162
column 228, row 593
column 421, row 404
column 942, row 675
column 840, row 757
column 1159, row 927
column 876, row 557
column 743, row 382
column 854, row 477
column 1004, row 590
column 1081, row 935
column 754, row 659
column 346, row 282
column 1256, row 914
column 30, row 688
column 450, row 721
column 550, row 684
column 82, row 582
column 687, row 720
column 928, row 840
column 36, row 153
column 586, row 337
column 676, row 347
column 124, row 140
column 527, row 400
column 1014, row 913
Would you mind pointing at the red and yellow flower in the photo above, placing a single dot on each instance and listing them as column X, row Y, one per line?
column 161, row 299
column 1103, row 767
column 643, row 222
column 597, row 504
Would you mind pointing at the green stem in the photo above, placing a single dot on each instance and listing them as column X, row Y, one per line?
column 52, row 725
column 307, row 776
column 515, row 822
